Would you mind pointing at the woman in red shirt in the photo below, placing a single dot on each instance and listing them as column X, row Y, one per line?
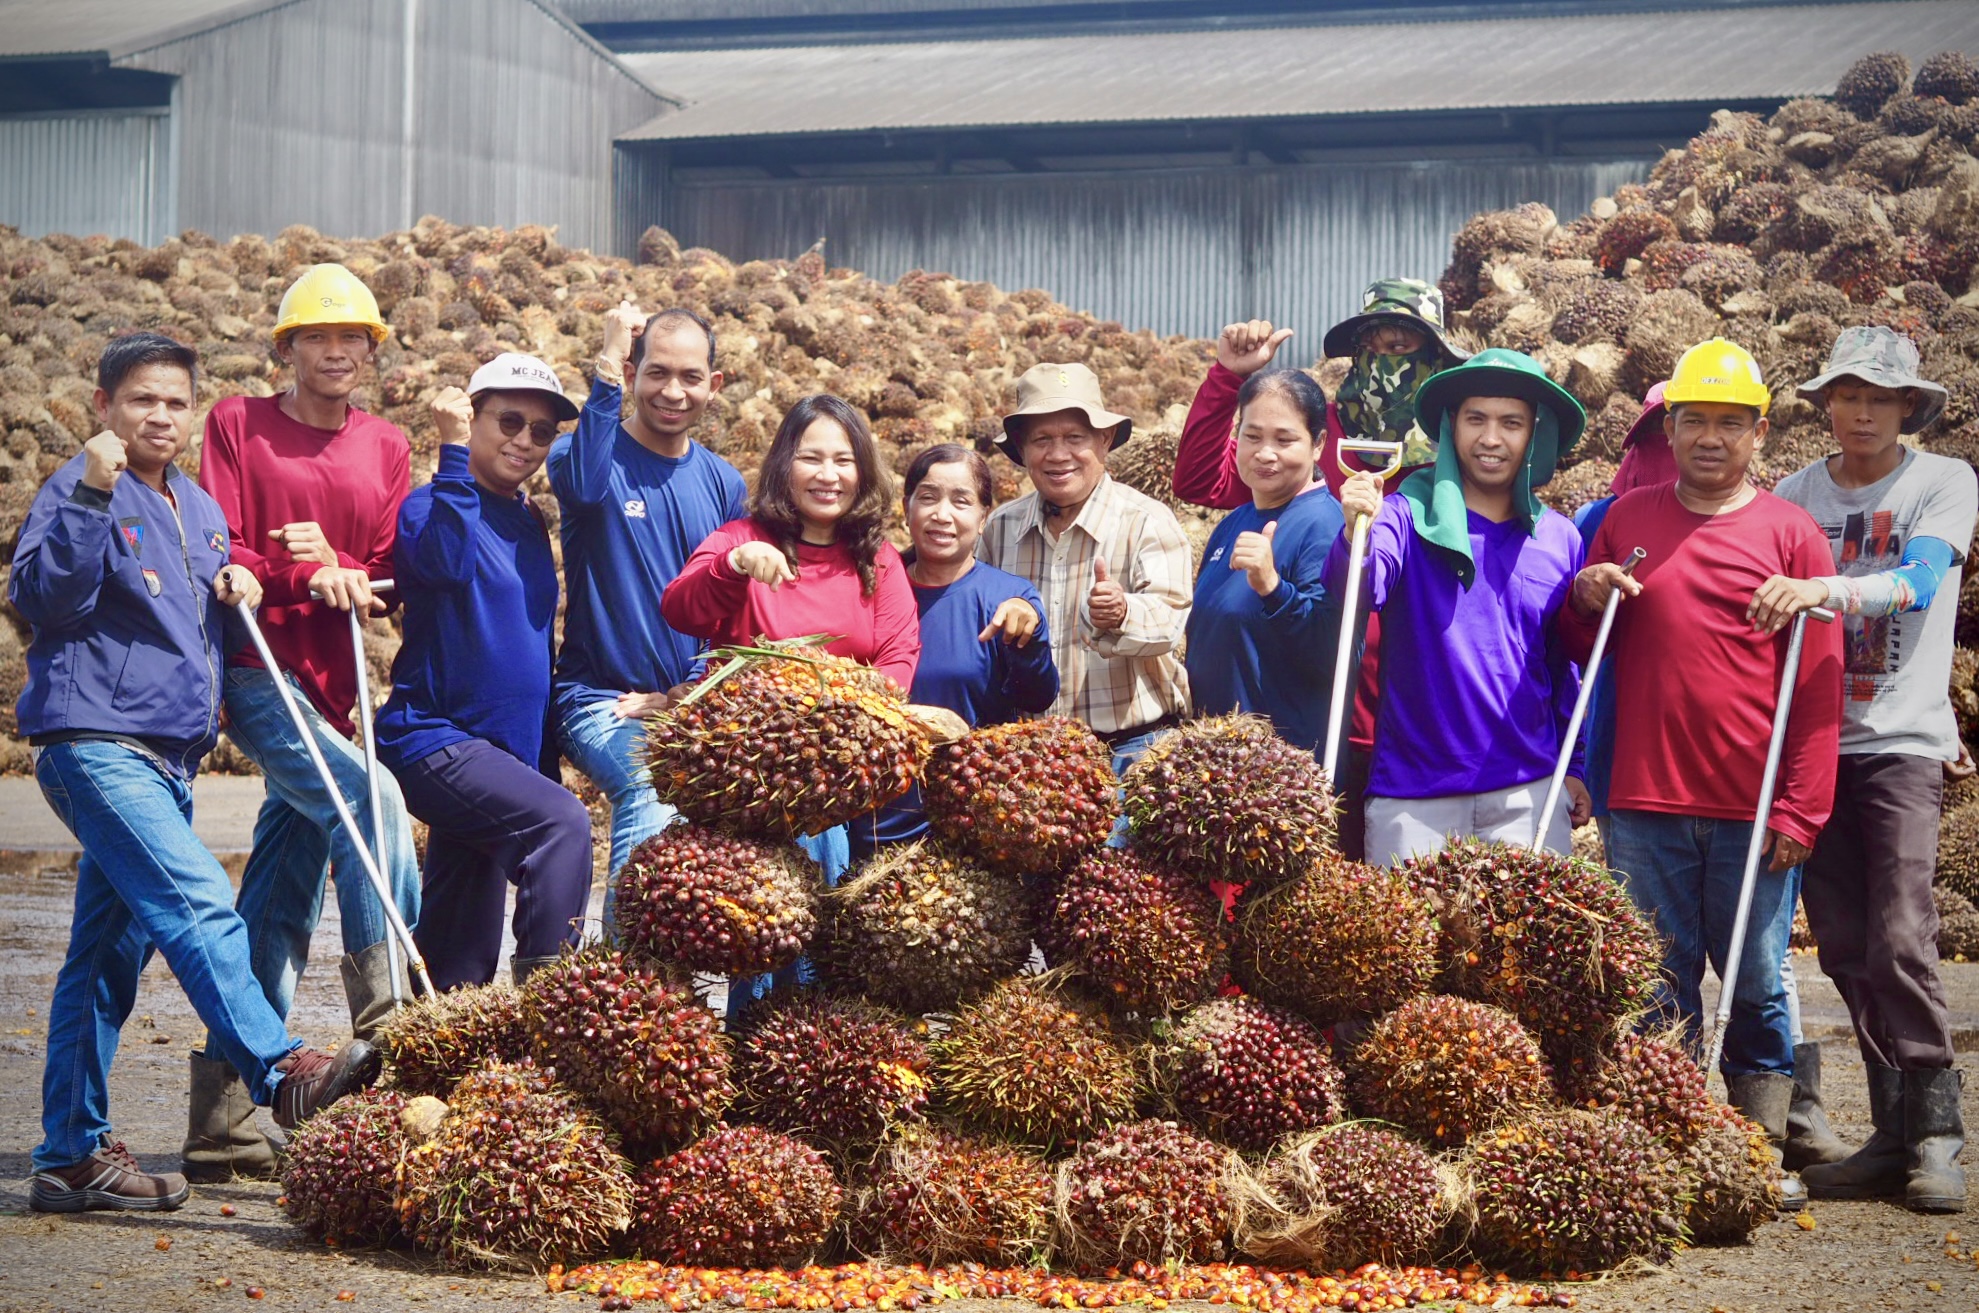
column 812, row 556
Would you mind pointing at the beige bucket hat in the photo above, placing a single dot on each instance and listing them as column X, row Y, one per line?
column 1046, row 389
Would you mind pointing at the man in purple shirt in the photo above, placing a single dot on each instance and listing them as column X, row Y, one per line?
column 1467, row 570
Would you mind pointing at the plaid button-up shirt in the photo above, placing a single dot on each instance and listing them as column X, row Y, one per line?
column 1126, row 677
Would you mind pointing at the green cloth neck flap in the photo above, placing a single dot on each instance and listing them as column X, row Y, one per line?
column 1436, row 495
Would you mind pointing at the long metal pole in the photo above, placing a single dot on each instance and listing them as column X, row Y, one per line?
column 1336, row 712
column 392, row 918
column 1588, row 674
column 1735, row 951
column 394, row 967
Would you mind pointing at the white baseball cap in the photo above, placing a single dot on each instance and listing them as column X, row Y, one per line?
column 511, row 371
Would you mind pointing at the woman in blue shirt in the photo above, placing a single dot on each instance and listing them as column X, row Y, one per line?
column 985, row 654
column 1263, row 628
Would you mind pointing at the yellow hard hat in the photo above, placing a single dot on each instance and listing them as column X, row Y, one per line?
column 329, row 294
column 1718, row 370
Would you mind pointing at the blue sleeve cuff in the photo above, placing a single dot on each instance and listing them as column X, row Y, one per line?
column 1280, row 598
column 453, row 462
column 94, row 499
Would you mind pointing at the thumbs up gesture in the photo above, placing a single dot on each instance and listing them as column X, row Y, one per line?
column 1252, row 555
column 1106, row 604
column 1245, row 347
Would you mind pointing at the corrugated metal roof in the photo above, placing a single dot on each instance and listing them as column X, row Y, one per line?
column 70, row 27
column 1264, row 73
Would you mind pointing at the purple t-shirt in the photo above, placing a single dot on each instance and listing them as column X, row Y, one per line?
column 1476, row 691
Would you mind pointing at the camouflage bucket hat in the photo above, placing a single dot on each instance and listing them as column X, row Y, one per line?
column 1884, row 358
column 1407, row 301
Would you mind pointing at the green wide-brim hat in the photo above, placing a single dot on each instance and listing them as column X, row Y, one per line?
column 1499, row 372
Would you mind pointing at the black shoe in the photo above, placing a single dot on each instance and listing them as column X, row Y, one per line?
column 108, row 1178
column 1765, row 1096
column 1810, row 1139
column 1879, row 1169
column 1933, row 1135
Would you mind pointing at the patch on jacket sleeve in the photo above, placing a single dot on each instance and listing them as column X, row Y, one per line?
column 133, row 528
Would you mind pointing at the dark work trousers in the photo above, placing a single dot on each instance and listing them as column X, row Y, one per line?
column 1867, row 889
column 495, row 822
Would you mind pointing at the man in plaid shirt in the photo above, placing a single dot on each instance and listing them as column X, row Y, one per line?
column 1110, row 563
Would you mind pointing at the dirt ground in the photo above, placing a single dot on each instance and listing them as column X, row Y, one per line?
column 1857, row 1256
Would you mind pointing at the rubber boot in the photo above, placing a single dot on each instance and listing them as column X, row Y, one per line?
column 368, row 989
column 1879, row 1168
column 222, row 1141
column 1809, row 1137
column 521, row 968
column 1933, row 1135
column 1765, row 1096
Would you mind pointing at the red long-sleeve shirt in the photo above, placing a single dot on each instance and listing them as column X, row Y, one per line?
column 709, row 600
column 267, row 470
column 1695, row 685
column 1206, row 475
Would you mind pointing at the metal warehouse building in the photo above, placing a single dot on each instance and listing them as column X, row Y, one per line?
column 139, row 118
column 1172, row 163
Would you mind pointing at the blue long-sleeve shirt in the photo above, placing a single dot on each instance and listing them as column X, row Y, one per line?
column 985, row 683
column 128, row 636
column 1597, row 731
column 631, row 518
column 1270, row 655
column 479, row 586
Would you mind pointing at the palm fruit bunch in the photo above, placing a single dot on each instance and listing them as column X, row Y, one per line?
column 1029, row 1064
column 940, row 1197
column 743, row 1197
column 1446, row 1069
column 1342, row 941
column 640, row 1047
column 837, row 1071
column 1147, row 937
column 519, row 1173
column 1025, row 798
column 1224, row 798
column 785, row 739
column 433, row 1041
column 1551, row 939
column 1249, row 1074
column 1147, row 1192
column 1569, row 1191
column 924, row 929
column 1341, row 1197
column 709, row 901
column 1653, row 1082
column 340, row 1175
column 1733, row 1179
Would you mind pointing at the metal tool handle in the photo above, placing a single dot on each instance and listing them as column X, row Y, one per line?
column 1588, row 674
column 1356, row 558
column 379, row 885
column 1755, row 847
column 394, row 968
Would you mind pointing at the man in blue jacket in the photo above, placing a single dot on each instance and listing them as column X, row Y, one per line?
column 637, row 496
column 463, row 730
column 122, row 569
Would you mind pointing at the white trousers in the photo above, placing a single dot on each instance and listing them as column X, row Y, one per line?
column 1401, row 828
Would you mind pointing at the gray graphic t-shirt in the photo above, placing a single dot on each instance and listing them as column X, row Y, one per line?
column 1897, row 668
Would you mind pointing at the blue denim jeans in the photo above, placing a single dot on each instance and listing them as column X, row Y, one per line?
column 144, row 882
column 298, row 840
column 1684, row 873
column 611, row 752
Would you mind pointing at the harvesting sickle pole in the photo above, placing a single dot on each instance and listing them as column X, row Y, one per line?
column 1728, row 982
column 1588, row 673
column 1349, row 630
column 394, row 921
column 395, row 968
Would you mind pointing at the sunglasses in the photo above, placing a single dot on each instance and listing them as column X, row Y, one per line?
column 512, row 422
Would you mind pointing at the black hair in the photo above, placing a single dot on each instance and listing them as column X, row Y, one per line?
column 124, row 355
column 952, row 453
column 863, row 526
column 1297, row 387
column 677, row 315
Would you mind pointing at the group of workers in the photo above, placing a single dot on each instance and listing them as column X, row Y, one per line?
column 1079, row 598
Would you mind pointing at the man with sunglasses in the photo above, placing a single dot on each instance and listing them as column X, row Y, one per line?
column 310, row 485
column 464, row 728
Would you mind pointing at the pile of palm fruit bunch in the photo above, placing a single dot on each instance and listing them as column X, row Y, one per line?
column 1776, row 232
column 1243, row 1055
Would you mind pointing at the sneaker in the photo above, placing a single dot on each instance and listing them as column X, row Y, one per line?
column 108, row 1178
column 312, row 1080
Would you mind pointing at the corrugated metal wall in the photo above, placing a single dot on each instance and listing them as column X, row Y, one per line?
column 296, row 115
column 1181, row 251
column 104, row 173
